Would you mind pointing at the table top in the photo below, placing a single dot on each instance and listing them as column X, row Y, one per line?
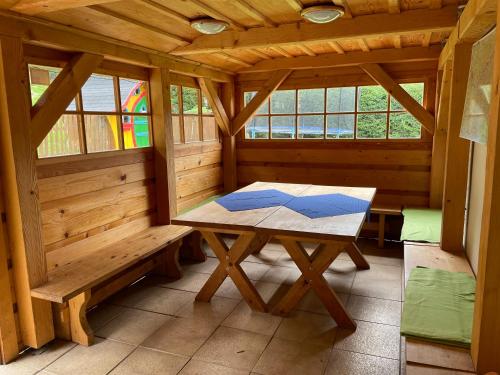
column 281, row 220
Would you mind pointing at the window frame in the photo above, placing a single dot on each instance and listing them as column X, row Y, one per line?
column 325, row 115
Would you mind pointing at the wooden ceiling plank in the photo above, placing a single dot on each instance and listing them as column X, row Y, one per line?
column 427, row 39
column 435, row 4
column 254, row 13
column 259, row 53
column 375, row 25
column 234, row 59
column 166, row 11
column 209, row 11
column 306, row 50
column 336, row 47
column 33, row 7
column 394, row 6
column 362, row 44
column 343, row 4
column 175, row 38
column 380, row 76
column 397, row 42
column 281, row 51
column 265, row 92
column 210, row 91
column 60, row 93
column 295, row 5
column 327, row 60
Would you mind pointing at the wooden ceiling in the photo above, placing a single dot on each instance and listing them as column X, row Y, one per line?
column 259, row 30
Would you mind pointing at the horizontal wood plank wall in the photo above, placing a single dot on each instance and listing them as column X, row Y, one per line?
column 199, row 174
column 83, row 196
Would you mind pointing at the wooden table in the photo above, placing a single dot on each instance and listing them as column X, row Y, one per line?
column 254, row 229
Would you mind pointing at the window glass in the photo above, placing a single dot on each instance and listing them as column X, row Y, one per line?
column 192, row 129
column 341, row 99
column 371, row 126
column 312, row 126
column 416, row 91
column 205, row 105
column 264, row 108
column 63, row 139
column 98, row 94
column 174, row 98
column 209, row 128
column 258, row 128
column 40, row 79
column 283, row 102
column 403, row 125
column 134, row 96
column 136, row 131
column 340, row 126
column 311, row 101
column 283, row 127
column 190, row 100
column 101, row 132
column 372, row 99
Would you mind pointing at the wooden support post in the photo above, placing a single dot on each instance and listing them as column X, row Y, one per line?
column 457, row 155
column 21, row 194
column 166, row 197
column 229, row 142
column 439, row 141
column 486, row 326
column 81, row 332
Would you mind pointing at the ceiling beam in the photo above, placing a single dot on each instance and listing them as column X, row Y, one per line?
column 281, row 51
column 363, row 45
column 336, row 47
column 426, row 42
column 265, row 92
column 380, row 76
column 209, row 11
column 259, row 53
column 394, row 6
column 32, row 7
column 295, row 4
column 343, row 4
column 375, row 25
column 254, row 13
column 306, row 50
column 234, row 59
column 210, row 91
column 329, row 60
column 163, row 10
column 397, row 41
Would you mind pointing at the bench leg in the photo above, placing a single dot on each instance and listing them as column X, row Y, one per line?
column 192, row 248
column 381, row 230
column 81, row 332
column 172, row 268
column 62, row 325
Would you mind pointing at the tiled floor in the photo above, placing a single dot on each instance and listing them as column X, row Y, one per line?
column 155, row 327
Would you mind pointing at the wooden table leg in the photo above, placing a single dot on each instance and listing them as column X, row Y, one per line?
column 230, row 259
column 357, row 256
column 312, row 269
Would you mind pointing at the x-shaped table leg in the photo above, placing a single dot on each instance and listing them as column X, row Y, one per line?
column 312, row 269
column 230, row 259
column 357, row 257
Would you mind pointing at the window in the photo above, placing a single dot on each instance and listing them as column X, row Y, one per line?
column 110, row 113
column 192, row 117
column 362, row 112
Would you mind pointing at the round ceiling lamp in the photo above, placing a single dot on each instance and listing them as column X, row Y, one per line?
column 322, row 13
column 209, row 25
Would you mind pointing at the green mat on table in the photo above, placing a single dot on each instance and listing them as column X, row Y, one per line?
column 421, row 225
column 439, row 306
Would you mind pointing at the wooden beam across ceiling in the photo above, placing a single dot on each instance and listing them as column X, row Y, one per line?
column 380, row 76
column 328, row 60
column 32, row 7
column 375, row 25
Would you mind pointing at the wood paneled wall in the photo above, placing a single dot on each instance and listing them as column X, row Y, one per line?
column 199, row 174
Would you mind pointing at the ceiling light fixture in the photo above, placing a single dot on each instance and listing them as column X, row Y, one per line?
column 209, row 25
column 322, row 13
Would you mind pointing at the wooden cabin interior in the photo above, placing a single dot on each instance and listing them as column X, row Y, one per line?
column 138, row 141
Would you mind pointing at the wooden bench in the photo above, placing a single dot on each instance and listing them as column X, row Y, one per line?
column 382, row 211
column 424, row 357
column 83, row 280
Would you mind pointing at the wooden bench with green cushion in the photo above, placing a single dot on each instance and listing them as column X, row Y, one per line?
column 421, row 225
column 72, row 282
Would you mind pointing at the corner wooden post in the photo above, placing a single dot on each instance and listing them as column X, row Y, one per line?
column 21, row 194
column 163, row 134
column 486, row 324
column 229, row 141
column 457, row 155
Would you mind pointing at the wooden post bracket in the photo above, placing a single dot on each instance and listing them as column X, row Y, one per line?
column 380, row 76
column 210, row 91
column 60, row 93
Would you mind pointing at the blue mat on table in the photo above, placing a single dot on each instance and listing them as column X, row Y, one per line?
column 251, row 200
column 327, row 205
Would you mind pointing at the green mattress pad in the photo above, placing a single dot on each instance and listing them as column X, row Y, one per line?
column 439, row 306
column 421, row 225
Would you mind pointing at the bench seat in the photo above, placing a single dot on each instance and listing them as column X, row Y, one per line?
column 383, row 210
column 424, row 357
column 70, row 283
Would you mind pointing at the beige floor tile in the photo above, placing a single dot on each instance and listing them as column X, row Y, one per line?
column 293, row 358
column 190, row 282
column 243, row 317
column 150, row 362
column 371, row 338
column 255, row 271
column 379, row 281
column 195, row 367
column 349, row 363
column 341, row 275
column 281, row 275
column 303, row 326
column 312, row 303
column 132, row 326
column 102, row 315
column 208, row 266
column 216, row 310
column 233, row 348
column 34, row 360
column 375, row 310
column 266, row 256
column 182, row 336
column 228, row 290
column 156, row 299
column 97, row 359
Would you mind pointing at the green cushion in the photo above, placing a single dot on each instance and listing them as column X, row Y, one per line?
column 421, row 224
column 202, row 203
column 439, row 306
